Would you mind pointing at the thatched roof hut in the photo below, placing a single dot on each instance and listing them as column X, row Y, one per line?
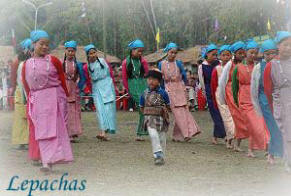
column 6, row 53
column 81, row 56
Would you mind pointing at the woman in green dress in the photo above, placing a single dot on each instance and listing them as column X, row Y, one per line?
column 134, row 70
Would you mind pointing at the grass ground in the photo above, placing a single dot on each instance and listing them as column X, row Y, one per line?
column 125, row 167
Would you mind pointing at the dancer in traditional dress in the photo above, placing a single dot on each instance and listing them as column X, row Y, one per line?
column 20, row 132
column 260, row 101
column 45, row 85
column 225, row 57
column 175, row 78
column 226, row 96
column 73, row 72
column 241, row 88
column 103, row 92
column 204, row 73
column 277, row 86
column 134, row 70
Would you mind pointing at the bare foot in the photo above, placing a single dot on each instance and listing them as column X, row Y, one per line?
column 251, row 154
column 229, row 146
column 237, row 149
column 287, row 168
column 214, row 141
column 46, row 169
column 187, row 139
column 139, row 139
column 271, row 159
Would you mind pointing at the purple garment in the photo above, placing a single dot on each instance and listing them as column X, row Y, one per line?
column 281, row 74
column 219, row 130
column 48, row 107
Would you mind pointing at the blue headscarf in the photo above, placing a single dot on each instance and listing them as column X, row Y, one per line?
column 252, row 45
column 268, row 45
column 38, row 34
column 26, row 44
column 209, row 48
column 89, row 47
column 170, row 46
column 136, row 44
column 71, row 44
column 281, row 35
column 237, row 46
column 224, row 48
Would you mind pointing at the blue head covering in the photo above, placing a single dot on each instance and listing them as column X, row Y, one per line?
column 38, row 34
column 26, row 44
column 136, row 44
column 281, row 35
column 252, row 45
column 89, row 47
column 71, row 44
column 268, row 45
column 224, row 48
column 237, row 46
column 170, row 46
column 209, row 48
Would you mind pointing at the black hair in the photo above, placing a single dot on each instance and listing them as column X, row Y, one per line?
column 89, row 68
column 21, row 55
column 129, row 69
column 64, row 62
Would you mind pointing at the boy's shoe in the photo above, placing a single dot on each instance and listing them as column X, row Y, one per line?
column 159, row 158
column 159, row 161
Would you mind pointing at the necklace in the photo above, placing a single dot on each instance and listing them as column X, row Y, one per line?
column 34, row 72
column 69, row 76
column 173, row 73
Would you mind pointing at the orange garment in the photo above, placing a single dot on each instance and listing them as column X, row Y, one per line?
column 241, row 131
column 258, row 131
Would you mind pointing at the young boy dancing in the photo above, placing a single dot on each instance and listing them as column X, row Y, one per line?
column 155, row 104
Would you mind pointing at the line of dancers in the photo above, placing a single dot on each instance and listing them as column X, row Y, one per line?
column 244, row 96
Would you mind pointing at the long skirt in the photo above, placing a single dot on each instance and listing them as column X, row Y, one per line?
column 218, row 130
column 106, row 114
column 20, row 132
column 276, row 140
column 185, row 125
column 48, row 113
column 227, row 118
column 74, row 118
column 136, row 88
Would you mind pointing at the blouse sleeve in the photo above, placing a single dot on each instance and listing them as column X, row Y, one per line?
column 13, row 74
column 25, row 85
column 235, row 85
column 57, row 63
column 213, row 86
column 124, row 75
column 268, row 84
column 112, row 76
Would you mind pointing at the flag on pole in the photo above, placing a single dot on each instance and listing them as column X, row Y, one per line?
column 158, row 38
column 216, row 25
column 269, row 25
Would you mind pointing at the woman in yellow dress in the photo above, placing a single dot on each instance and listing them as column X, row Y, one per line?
column 20, row 131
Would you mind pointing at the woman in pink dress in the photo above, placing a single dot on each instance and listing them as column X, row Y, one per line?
column 72, row 71
column 175, row 78
column 241, row 83
column 45, row 85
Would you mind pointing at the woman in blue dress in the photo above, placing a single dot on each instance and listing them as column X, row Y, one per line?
column 260, row 101
column 205, row 72
column 103, row 92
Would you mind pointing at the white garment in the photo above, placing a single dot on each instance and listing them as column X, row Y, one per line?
column 158, row 140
